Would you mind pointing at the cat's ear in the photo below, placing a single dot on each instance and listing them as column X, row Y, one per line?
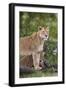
column 39, row 27
column 47, row 28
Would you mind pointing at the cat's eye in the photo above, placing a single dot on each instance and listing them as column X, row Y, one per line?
column 39, row 27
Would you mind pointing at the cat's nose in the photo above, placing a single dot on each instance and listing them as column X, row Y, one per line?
column 45, row 35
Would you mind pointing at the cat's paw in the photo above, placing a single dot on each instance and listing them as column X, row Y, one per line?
column 38, row 68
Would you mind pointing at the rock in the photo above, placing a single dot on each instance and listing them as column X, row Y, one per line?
column 25, row 69
column 26, row 65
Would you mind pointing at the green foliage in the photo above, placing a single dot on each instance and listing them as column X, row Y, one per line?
column 49, row 54
column 48, row 72
column 29, row 22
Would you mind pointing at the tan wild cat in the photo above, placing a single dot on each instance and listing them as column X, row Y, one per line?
column 33, row 45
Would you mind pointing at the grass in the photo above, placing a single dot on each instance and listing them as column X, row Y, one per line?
column 42, row 73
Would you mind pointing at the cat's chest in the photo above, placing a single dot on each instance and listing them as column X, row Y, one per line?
column 40, row 47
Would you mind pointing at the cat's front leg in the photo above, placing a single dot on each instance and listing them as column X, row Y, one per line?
column 36, row 61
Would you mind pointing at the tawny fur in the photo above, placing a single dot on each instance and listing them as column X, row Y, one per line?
column 33, row 45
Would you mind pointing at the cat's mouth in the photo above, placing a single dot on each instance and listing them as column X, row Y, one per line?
column 44, row 37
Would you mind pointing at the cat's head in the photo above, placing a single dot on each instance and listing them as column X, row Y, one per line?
column 43, row 32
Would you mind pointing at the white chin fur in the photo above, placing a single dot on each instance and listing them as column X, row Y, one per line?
column 45, row 38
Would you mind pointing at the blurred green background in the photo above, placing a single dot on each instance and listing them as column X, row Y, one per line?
column 29, row 22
